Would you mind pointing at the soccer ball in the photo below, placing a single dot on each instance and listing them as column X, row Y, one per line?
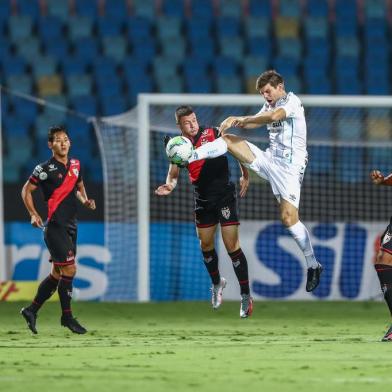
column 179, row 150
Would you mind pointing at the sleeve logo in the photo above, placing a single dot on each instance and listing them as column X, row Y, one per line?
column 43, row 176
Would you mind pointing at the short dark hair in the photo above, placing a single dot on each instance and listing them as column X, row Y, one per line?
column 271, row 76
column 56, row 129
column 181, row 111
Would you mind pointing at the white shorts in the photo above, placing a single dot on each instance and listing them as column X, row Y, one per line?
column 285, row 178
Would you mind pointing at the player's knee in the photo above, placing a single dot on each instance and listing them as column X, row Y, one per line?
column 69, row 270
column 232, row 246
column 287, row 219
column 55, row 271
column 206, row 245
column 230, row 140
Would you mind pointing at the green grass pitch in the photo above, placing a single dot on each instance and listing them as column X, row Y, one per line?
column 186, row 346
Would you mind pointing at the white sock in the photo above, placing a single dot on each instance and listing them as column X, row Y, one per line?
column 302, row 238
column 209, row 150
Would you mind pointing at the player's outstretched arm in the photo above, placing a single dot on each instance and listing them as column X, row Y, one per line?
column 379, row 179
column 250, row 122
column 171, row 181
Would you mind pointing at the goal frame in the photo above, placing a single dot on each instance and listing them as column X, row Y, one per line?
column 143, row 110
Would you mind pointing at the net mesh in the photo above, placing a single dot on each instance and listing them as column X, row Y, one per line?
column 117, row 137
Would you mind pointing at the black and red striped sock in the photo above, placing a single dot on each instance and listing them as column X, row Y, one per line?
column 65, row 294
column 240, row 265
column 210, row 258
column 45, row 290
column 384, row 272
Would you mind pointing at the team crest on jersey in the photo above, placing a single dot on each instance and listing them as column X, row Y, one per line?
column 225, row 212
column 73, row 161
column 52, row 167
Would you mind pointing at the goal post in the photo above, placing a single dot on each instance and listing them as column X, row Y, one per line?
column 338, row 215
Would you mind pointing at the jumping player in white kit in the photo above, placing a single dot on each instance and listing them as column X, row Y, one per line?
column 283, row 164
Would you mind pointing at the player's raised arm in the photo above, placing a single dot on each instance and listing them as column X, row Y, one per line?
column 171, row 181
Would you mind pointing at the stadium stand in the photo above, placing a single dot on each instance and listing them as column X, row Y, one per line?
column 96, row 54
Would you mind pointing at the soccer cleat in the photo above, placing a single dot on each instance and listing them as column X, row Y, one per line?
column 216, row 293
column 73, row 325
column 246, row 308
column 31, row 319
column 313, row 278
column 388, row 336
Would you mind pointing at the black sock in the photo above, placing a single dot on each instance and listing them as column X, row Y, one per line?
column 384, row 273
column 211, row 262
column 65, row 294
column 240, row 266
column 45, row 290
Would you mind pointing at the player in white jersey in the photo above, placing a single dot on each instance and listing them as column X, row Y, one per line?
column 283, row 164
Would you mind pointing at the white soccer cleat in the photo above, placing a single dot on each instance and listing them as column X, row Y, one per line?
column 217, row 293
column 246, row 308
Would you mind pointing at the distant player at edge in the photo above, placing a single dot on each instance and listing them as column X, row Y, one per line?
column 283, row 164
column 215, row 203
column 383, row 261
column 62, row 185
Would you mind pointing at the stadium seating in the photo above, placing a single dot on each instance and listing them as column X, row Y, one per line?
column 97, row 54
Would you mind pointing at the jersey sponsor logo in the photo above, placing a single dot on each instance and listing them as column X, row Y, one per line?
column 277, row 124
column 225, row 212
column 292, row 197
column 52, row 167
column 43, row 176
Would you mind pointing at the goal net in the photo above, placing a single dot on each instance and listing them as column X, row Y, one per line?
column 155, row 251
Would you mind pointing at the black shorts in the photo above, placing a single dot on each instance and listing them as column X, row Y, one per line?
column 386, row 239
column 221, row 210
column 61, row 243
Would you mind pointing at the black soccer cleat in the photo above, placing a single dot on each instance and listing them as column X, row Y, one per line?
column 73, row 325
column 388, row 336
column 313, row 278
column 31, row 319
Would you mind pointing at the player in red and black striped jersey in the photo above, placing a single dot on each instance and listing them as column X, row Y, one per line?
column 62, row 185
column 383, row 261
column 215, row 203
